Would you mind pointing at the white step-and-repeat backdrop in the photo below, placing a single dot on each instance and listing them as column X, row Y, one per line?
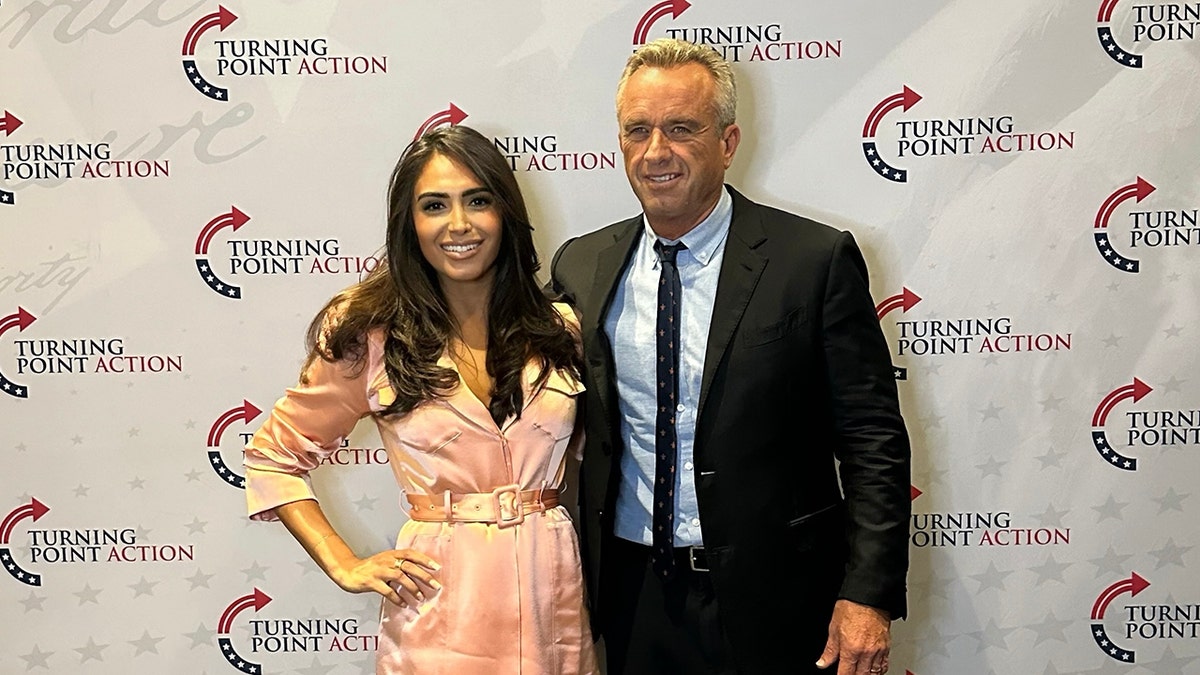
column 183, row 184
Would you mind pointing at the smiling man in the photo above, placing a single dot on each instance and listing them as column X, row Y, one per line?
column 745, row 487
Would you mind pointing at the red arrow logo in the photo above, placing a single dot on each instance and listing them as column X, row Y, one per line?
column 903, row 301
column 914, row 492
column 906, row 98
column 452, row 115
column 1135, row 391
column 1133, row 585
column 245, row 412
column 1137, row 190
column 34, row 509
column 257, row 600
column 234, row 218
column 672, row 7
column 19, row 320
column 9, row 123
column 220, row 18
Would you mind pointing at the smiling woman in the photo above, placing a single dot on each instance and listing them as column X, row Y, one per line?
column 464, row 364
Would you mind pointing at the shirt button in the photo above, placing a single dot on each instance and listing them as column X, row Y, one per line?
column 687, row 466
column 695, row 522
column 679, row 407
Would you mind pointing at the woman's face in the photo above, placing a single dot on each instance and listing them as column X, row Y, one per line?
column 458, row 224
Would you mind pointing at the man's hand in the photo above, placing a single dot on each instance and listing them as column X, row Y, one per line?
column 859, row 640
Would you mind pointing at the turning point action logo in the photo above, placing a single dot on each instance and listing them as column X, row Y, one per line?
column 937, row 138
column 277, row 257
column 737, row 42
column 245, row 413
column 531, row 152
column 272, row 57
column 1150, row 621
column 1147, row 428
column 994, row 528
column 35, row 510
column 1149, row 229
column 288, row 636
column 1171, row 22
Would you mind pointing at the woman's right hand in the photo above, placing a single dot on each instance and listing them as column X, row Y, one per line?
column 405, row 577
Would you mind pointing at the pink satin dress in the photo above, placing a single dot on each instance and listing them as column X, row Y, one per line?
column 512, row 598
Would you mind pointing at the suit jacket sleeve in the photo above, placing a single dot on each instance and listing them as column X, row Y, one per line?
column 873, row 448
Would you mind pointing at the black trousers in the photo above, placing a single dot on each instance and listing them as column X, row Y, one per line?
column 656, row 627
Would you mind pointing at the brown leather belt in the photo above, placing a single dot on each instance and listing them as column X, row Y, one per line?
column 505, row 506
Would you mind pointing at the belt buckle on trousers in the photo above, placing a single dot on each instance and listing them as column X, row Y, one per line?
column 697, row 561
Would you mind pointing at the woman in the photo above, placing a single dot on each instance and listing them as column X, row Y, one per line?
column 470, row 374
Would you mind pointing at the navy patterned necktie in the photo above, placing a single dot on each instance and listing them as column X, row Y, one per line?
column 662, row 553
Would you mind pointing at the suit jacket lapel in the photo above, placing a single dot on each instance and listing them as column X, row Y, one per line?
column 740, row 270
column 610, row 263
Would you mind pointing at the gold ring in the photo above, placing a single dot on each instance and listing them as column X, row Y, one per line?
column 400, row 565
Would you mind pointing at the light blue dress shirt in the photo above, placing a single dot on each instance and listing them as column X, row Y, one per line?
column 630, row 326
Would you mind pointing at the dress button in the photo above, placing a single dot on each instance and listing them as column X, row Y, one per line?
column 687, row 466
column 679, row 407
column 695, row 522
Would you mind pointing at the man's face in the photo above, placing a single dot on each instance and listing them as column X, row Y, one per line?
column 675, row 156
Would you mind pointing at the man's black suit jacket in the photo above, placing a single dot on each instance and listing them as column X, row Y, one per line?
column 801, row 455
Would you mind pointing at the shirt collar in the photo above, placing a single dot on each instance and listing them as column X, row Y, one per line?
column 703, row 240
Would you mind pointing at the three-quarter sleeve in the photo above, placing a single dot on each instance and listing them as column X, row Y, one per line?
column 305, row 426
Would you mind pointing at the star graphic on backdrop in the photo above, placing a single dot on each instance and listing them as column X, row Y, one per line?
column 1051, row 402
column 190, row 424
column 307, row 566
column 316, row 668
column 1049, row 628
column 1053, row 457
column 1051, row 296
column 1114, row 287
column 146, row 643
column 91, row 651
column 198, row 579
column 36, row 658
column 367, row 503
column 194, row 475
column 934, row 584
column 34, row 601
column 932, row 368
column 1170, row 554
column 1051, row 570
column 928, row 641
column 1173, row 331
column 1112, row 341
column 21, row 448
column 1171, row 501
column 1171, row 385
column 991, row 636
column 1111, row 508
column 1111, row 564
column 1173, row 276
column 137, row 483
column 1052, row 517
column 990, row 578
column 254, row 571
column 196, row 526
column 143, row 587
column 81, row 490
column 88, row 594
column 991, row 411
column 990, row 468
column 134, row 431
column 200, row 636
column 1170, row 664
column 141, row 533
column 991, row 359
column 77, row 440
column 992, row 306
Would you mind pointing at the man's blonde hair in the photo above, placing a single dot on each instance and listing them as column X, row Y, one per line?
column 672, row 53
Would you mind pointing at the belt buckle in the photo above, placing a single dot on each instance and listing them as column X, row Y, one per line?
column 693, row 563
column 506, row 500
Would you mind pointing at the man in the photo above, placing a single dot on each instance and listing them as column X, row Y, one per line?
column 740, row 384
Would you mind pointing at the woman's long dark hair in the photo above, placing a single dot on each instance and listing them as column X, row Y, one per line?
column 403, row 294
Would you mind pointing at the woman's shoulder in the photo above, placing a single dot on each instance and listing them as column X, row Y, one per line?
column 568, row 313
